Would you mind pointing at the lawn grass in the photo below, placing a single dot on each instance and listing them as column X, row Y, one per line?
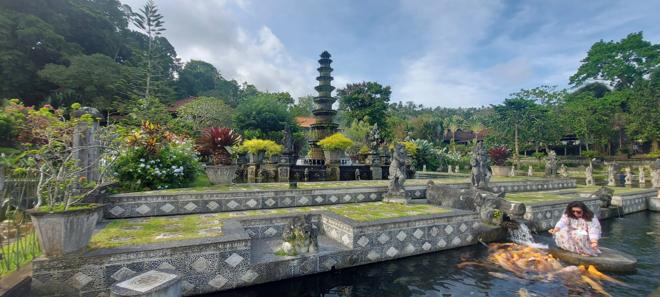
column 533, row 197
column 131, row 232
column 617, row 190
column 19, row 253
column 241, row 187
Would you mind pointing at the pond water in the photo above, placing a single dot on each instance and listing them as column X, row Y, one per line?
column 437, row 275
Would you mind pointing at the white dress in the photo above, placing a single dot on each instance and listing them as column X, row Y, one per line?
column 575, row 235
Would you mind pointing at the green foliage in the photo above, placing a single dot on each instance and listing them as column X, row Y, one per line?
column 19, row 253
column 155, row 159
column 263, row 116
column 204, row 112
column 94, row 78
column 589, row 154
column 254, row 146
column 538, row 155
column 621, row 63
column 197, row 77
column 427, row 127
column 336, row 141
column 358, row 132
column 140, row 110
column 215, row 143
column 304, row 107
column 7, row 130
column 368, row 101
column 425, row 155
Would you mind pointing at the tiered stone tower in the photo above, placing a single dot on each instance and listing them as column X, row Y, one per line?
column 324, row 114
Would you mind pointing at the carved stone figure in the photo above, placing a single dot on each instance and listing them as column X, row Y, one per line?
column 357, row 174
column 457, row 168
column 513, row 171
column 299, row 237
column 530, row 171
column 374, row 139
column 563, row 171
column 449, row 169
column 306, row 174
column 480, row 164
column 589, row 172
column 628, row 176
column 396, row 191
column 490, row 206
column 642, row 176
column 604, row 194
column 655, row 178
column 551, row 164
column 611, row 181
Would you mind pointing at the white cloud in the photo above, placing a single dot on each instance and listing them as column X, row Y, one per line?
column 210, row 31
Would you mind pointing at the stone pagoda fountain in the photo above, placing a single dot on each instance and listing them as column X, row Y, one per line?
column 324, row 114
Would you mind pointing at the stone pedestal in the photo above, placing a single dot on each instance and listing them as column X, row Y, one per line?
column 152, row 283
column 376, row 172
column 86, row 148
column 283, row 173
column 252, row 173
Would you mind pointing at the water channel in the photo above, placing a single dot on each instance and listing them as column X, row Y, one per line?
column 437, row 275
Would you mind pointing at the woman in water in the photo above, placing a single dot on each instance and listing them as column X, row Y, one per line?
column 578, row 230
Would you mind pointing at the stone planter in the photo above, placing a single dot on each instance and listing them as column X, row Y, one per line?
column 66, row 232
column 257, row 158
column 221, row 174
column 500, row 170
column 333, row 156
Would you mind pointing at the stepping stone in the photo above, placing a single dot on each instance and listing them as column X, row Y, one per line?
column 608, row 260
column 152, row 283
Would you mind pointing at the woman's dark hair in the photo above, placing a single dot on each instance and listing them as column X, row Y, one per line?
column 587, row 215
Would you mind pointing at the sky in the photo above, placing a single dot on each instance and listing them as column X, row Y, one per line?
column 462, row 53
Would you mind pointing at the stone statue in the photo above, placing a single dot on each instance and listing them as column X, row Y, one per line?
column 457, row 168
column 589, row 172
column 306, row 174
column 551, row 164
column 604, row 194
column 299, row 236
column 374, row 139
column 655, row 178
column 396, row 191
column 449, row 169
column 287, row 140
column 642, row 176
column 357, row 174
column 629, row 176
column 611, row 181
column 530, row 171
column 424, row 168
column 480, row 164
column 488, row 205
column 513, row 171
column 563, row 171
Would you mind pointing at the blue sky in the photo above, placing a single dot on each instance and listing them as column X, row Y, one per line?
column 437, row 53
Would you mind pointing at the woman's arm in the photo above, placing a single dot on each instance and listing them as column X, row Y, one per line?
column 594, row 230
column 561, row 224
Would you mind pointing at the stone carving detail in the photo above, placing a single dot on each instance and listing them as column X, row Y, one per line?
column 611, row 169
column 513, row 171
column 488, row 205
column 604, row 194
column 551, row 164
column 395, row 190
column 589, row 172
column 357, row 174
column 480, row 163
column 299, row 237
column 642, row 176
column 449, row 169
column 530, row 171
column 628, row 176
column 563, row 171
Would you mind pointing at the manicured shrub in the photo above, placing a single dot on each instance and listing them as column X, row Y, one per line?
column 254, row 146
column 336, row 141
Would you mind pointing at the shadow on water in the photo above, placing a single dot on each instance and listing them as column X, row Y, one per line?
column 437, row 275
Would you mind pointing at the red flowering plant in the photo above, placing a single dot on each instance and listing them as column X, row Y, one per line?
column 215, row 145
column 499, row 154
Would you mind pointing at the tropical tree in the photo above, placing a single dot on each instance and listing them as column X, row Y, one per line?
column 197, row 77
column 204, row 112
column 365, row 99
column 263, row 116
column 620, row 63
column 150, row 22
